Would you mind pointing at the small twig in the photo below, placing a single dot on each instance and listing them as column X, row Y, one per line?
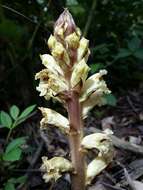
column 129, row 180
column 36, row 155
column 8, row 135
column 135, row 170
column 127, row 176
column 18, row 13
column 25, row 170
column 25, row 17
column 89, row 19
column 45, row 139
column 120, row 143
column 131, row 105
column 109, row 177
column 112, row 187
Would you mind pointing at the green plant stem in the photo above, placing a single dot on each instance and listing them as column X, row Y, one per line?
column 75, row 136
column 89, row 19
column 8, row 135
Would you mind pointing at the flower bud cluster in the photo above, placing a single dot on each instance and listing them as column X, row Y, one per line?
column 66, row 68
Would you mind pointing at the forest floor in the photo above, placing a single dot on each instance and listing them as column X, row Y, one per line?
column 124, row 173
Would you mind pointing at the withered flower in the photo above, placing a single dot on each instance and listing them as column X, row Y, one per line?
column 104, row 145
column 53, row 168
column 54, row 118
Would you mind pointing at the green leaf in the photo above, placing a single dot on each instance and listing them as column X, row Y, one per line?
column 12, row 180
column 6, row 120
column 15, row 144
column 27, row 111
column 102, row 48
column 111, row 99
column 14, row 112
column 71, row 2
column 13, row 151
column 123, row 53
column 139, row 54
column 77, row 10
column 21, row 179
column 12, row 155
column 10, row 30
column 134, row 43
column 9, row 186
column 96, row 66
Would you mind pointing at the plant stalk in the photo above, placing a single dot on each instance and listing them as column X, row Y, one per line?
column 8, row 135
column 75, row 136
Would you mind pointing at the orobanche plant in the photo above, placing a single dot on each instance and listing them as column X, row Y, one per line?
column 65, row 79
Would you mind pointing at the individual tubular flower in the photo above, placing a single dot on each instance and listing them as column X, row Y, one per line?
column 51, row 42
column 94, row 168
column 103, row 143
column 43, row 87
column 93, row 92
column 53, row 168
column 54, row 118
column 83, row 48
column 60, row 53
column 49, row 62
column 50, row 83
column 72, row 40
column 100, row 141
column 93, row 100
column 80, row 72
column 96, row 84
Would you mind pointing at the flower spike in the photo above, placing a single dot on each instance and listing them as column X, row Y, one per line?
column 64, row 79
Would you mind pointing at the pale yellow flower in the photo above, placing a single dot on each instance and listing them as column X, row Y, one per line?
column 54, row 84
column 60, row 53
column 93, row 100
column 82, row 49
column 103, row 143
column 42, row 88
column 96, row 84
column 100, row 141
column 79, row 73
column 52, row 42
column 54, row 118
column 57, row 84
column 73, row 40
column 42, row 75
column 53, row 168
column 93, row 92
column 94, row 168
column 49, row 62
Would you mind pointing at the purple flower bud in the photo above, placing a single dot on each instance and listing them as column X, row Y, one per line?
column 65, row 25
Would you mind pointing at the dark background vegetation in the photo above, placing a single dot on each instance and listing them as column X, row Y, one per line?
column 113, row 27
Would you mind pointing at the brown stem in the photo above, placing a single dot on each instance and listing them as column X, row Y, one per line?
column 75, row 136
